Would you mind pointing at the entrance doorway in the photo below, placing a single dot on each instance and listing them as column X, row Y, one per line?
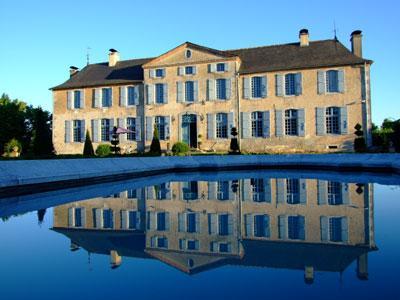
column 189, row 130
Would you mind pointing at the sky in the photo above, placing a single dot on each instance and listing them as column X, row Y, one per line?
column 41, row 39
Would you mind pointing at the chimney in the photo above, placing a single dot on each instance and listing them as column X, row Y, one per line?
column 356, row 42
column 304, row 38
column 113, row 57
column 72, row 71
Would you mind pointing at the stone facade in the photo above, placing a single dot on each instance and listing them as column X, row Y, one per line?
column 164, row 92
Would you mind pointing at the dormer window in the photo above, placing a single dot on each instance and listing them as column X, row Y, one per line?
column 189, row 70
column 221, row 67
column 159, row 72
column 188, row 54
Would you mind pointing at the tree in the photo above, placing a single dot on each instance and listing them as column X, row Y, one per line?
column 88, row 147
column 155, row 147
column 39, row 122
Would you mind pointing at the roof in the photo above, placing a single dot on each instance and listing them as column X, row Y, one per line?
column 318, row 54
column 124, row 72
column 325, row 53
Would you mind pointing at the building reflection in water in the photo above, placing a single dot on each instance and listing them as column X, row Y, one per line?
column 305, row 224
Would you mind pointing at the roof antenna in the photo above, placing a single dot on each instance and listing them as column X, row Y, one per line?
column 87, row 55
column 335, row 30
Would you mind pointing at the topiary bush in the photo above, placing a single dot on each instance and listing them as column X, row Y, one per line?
column 359, row 141
column 180, row 148
column 103, row 150
column 88, row 147
column 155, row 147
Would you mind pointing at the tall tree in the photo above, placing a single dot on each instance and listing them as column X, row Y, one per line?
column 39, row 125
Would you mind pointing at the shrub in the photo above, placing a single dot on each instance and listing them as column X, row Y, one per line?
column 9, row 147
column 155, row 147
column 180, row 148
column 103, row 150
column 88, row 147
column 234, row 146
column 359, row 141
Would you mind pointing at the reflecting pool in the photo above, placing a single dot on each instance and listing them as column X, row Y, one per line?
column 228, row 235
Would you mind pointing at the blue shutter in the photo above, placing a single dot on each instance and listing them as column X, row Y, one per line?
column 321, row 84
column 345, row 229
column 226, row 67
column 320, row 120
column 149, row 128
column 197, row 221
column 179, row 92
column 165, row 93
column 212, row 68
column 324, row 228
column 210, row 89
column 267, row 190
column 343, row 120
column 231, row 122
column 298, row 84
column 301, row 122
column 121, row 122
column 247, row 191
column 246, row 125
column 248, row 221
column 95, row 130
column 341, row 81
column 210, row 126
column 363, row 84
column 123, row 96
column 194, row 70
column 149, row 93
column 195, row 91
column 97, row 98
column 266, row 124
column 246, row 87
column 69, row 99
column 151, row 73
column 166, row 220
column 345, row 193
column 68, row 131
column 138, row 125
column 279, row 85
column 278, row 123
column 302, row 227
column 111, row 127
column 322, row 192
column 264, row 87
column 82, row 99
column 212, row 223
column 267, row 226
column 83, row 130
column 282, row 226
column 181, row 222
column 151, row 220
column 230, row 224
column 212, row 190
column 167, row 127
column 303, row 191
column 280, row 190
column 228, row 86
column 136, row 94
column 231, row 194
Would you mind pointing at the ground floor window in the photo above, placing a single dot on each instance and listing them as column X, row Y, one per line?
column 222, row 125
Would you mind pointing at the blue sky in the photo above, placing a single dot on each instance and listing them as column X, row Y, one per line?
column 41, row 39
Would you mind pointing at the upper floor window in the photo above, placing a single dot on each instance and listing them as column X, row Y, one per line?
column 257, row 187
column 221, row 67
column 222, row 125
column 332, row 81
column 106, row 97
column 189, row 91
column 223, row 190
column 161, row 124
column 132, row 194
column 332, row 115
column 290, row 84
column 334, row 193
column 77, row 99
column 292, row 191
column 108, row 218
column 131, row 95
column 162, row 221
column 105, row 130
column 256, row 87
column 189, row 70
column 78, row 131
column 192, row 222
column 159, row 93
column 159, row 73
column 224, row 221
column 161, row 191
column 291, row 122
column 221, row 89
column 190, row 190
column 257, row 124
column 188, row 53
column 336, row 229
column 131, row 126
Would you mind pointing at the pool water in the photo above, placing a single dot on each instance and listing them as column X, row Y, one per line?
column 223, row 235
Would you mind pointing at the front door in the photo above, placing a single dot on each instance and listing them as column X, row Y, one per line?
column 189, row 130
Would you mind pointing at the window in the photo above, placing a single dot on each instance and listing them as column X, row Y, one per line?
column 159, row 72
column 77, row 99
column 105, row 130
column 220, row 67
column 261, row 226
column 332, row 120
column 292, row 191
column 160, row 123
column 131, row 125
column 108, row 220
column 334, row 193
column 78, row 217
column 257, row 187
column 159, row 93
column 190, row 190
column 192, row 245
column 131, row 95
column 335, row 229
column 223, row 190
column 223, row 221
column 332, row 81
column 256, row 87
column 132, row 215
column 221, row 89
column 257, row 124
column 189, row 70
column 296, row 228
column 191, row 222
column 162, row 221
column 162, row 242
column 78, row 131
column 189, row 91
column 161, row 191
column 106, row 97
column 224, row 247
column 222, row 125
column 290, row 84
column 132, row 194
column 291, row 122
column 188, row 54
